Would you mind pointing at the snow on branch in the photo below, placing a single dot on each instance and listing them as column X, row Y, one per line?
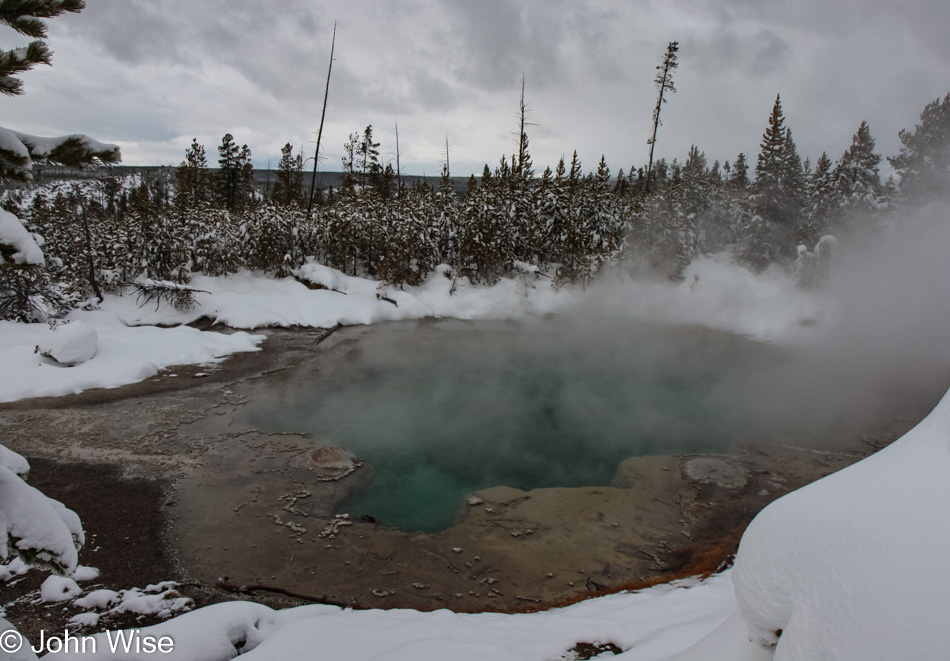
column 180, row 297
column 20, row 151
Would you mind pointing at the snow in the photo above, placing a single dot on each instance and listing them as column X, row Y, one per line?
column 83, row 573
column 125, row 355
column 84, row 620
column 319, row 274
column 98, row 600
column 715, row 293
column 9, row 141
column 639, row 622
column 59, row 588
column 13, row 234
column 70, row 344
column 8, row 635
column 13, row 461
column 32, row 523
column 851, row 566
column 40, row 148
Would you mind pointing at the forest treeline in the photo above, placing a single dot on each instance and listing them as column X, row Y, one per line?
column 569, row 224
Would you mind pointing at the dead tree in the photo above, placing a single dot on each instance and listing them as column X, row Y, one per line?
column 664, row 83
column 316, row 156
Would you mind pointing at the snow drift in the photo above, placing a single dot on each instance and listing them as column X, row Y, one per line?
column 852, row 566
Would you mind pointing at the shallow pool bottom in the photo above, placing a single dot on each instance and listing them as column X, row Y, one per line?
column 441, row 409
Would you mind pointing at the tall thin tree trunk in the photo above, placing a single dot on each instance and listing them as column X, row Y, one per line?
column 664, row 82
column 398, row 166
column 90, row 257
column 316, row 155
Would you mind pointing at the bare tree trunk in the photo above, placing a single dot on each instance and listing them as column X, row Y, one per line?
column 398, row 167
column 90, row 257
column 316, row 155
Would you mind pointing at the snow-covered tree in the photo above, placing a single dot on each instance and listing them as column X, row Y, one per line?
column 858, row 182
column 33, row 527
column 923, row 165
column 193, row 178
column 20, row 151
column 26, row 291
column 821, row 202
column 778, row 192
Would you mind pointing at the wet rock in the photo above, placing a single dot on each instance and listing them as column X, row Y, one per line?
column 334, row 458
column 646, row 472
column 711, row 470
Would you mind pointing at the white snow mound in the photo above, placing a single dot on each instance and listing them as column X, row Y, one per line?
column 59, row 588
column 853, row 566
column 15, row 462
column 70, row 344
column 33, row 524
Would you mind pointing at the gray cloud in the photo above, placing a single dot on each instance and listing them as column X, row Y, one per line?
column 154, row 74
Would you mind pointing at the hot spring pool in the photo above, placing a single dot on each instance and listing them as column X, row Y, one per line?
column 440, row 409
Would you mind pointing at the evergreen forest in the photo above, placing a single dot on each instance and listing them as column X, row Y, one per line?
column 565, row 223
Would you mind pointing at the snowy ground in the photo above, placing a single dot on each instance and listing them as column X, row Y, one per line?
column 128, row 347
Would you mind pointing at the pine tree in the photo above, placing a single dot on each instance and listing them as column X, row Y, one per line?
column 19, row 151
column 778, row 194
column 858, row 182
column 289, row 182
column 664, row 83
column 368, row 158
column 923, row 165
column 350, row 150
column 822, row 202
column 26, row 290
column 193, row 179
column 24, row 16
column 229, row 172
column 245, row 188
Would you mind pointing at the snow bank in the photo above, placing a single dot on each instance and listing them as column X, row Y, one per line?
column 715, row 293
column 640, row 623
column 125, row 355
column 852, row 566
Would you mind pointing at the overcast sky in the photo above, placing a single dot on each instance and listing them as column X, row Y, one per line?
column 150, row 76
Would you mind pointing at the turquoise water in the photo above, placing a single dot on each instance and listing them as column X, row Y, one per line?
column 440, row 410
